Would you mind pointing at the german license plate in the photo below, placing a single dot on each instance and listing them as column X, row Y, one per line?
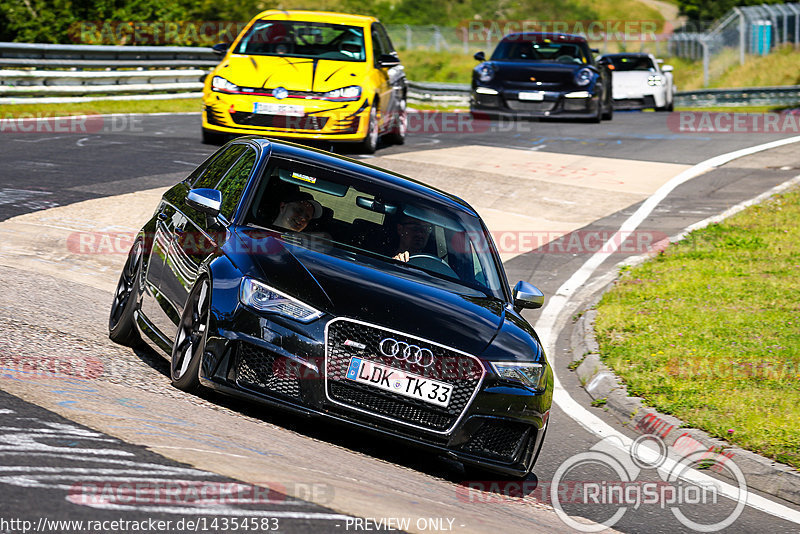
column 399, row 381
column 531, row 95
column 278, row 109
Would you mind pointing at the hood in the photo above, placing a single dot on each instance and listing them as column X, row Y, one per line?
column 550, row 74
column 632, row 79
column 395, row 300
column 292, row 73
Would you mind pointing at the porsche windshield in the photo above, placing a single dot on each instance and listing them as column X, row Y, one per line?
column 316, row 40
column 367, row 222
column 541, row 50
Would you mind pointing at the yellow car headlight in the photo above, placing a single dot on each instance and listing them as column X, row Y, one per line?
column 220, row 84
column 345, row 94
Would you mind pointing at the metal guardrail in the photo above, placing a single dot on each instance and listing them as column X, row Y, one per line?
column 47, row 73
column 458, row 94
column 39, row 74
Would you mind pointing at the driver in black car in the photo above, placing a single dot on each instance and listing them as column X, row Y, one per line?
column 414, row 235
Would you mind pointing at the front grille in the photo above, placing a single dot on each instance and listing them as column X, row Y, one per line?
column 518, row 105
column 266, row 372
column 307, row 122
column 500, row 439
column 463, row 372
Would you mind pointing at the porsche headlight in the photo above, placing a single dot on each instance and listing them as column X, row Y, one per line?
column 583, row 77
column 656, row 80
column 528, row 374
column 264, row 298
column 218, row 83
column 345, row 94
column 485, row 72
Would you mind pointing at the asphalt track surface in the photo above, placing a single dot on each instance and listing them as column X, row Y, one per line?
column 44, row 170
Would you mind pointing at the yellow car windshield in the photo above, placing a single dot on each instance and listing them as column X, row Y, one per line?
column 316, row 40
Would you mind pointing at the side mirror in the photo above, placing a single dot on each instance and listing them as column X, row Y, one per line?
column 208, row 201
column 594, row 50
column 480, row 56
column 220, row 49
column 388, row 60
column 527, row 296
column 666, row 68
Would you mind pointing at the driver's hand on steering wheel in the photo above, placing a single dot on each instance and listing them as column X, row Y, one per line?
column 402, row 256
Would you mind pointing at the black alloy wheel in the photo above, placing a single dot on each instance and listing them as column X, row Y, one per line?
column 121, row 321
column 190, row 341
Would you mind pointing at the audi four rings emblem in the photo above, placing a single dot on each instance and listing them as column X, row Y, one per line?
column 403, row 351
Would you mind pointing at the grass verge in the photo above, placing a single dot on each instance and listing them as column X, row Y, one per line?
column 709, row 330
column 175, row 105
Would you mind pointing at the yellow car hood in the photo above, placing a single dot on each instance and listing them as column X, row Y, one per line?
column 292, row 73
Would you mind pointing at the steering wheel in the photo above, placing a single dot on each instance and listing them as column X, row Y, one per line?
column 565, row 59
column 429, row 262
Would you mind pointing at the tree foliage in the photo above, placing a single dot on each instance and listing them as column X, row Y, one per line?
column 111, row 21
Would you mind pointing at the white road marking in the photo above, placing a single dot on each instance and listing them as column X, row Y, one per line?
column 553, row 318
column 81, row 141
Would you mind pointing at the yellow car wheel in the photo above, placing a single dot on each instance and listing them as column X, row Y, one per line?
column 370, row 142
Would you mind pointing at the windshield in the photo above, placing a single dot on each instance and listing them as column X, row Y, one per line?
column 375, row 225
column 542, row 50
column 628, row 63
column 316, row 40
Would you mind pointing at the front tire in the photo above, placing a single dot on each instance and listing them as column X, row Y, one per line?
column 121, row 321
column 190, row 341
column 370, row 142
column 398, row 133
column 212, row 138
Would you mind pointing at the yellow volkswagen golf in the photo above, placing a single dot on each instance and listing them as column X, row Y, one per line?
column 308, row 75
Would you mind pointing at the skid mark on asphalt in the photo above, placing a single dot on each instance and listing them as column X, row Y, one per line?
column 95, row 471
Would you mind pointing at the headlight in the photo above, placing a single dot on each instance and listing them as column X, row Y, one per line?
column 528, row 374
column 583, row 77
column 485, row 72
column 218, row 83
column 655, row 80
column 345, row 94
column 263, row 298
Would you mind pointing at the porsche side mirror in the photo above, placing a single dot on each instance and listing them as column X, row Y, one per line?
column 480, row 56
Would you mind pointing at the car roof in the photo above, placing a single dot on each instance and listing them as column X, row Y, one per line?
column 371, row 172
column 628, row 54
column 557, row 37
column 317, row 16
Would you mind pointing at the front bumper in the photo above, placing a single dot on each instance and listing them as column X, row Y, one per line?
column 507, row 103
column 234, row 114
column 499, row 426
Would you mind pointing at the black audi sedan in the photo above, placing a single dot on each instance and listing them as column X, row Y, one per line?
column 311, row 282
column 542, row 75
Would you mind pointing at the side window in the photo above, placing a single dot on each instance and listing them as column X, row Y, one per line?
column 377, row 46
column 216, row 170
column 234, row 182
column 388, row 47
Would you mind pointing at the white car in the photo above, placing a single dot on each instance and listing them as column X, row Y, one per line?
column 639, row 81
